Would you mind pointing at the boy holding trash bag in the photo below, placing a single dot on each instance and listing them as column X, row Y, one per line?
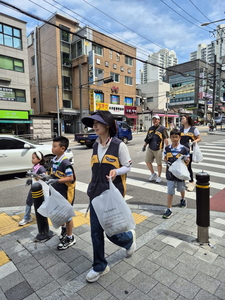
column 63, row 181
column 171, row 154
column 110, row 158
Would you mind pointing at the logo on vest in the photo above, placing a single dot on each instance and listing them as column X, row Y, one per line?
column 110, row 159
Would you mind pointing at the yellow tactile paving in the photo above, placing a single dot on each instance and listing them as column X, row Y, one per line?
column 138, row 218
column 4, row 259
column 9, row 224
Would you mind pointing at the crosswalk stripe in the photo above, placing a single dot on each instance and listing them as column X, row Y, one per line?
column 214, row 185
column 213, row 159
column 213, row 153
column 216, row 174
column 157, row 187
column 82, row 187
column 211, row 147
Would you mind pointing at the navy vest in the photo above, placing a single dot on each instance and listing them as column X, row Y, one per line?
column 110, row 160
column 67, row 190
column 188, row 136
column 172, row 159
column 157, row 140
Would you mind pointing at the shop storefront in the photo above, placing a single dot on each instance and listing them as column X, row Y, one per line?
column 14, row 122
column 130, row 113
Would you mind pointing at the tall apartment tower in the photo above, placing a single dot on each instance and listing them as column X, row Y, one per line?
column 207, row 52
column 164, row 58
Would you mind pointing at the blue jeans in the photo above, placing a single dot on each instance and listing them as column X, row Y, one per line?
column 27, row 215
column 124, row 240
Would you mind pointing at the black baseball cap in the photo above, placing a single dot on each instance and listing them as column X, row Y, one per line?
column 88, row 121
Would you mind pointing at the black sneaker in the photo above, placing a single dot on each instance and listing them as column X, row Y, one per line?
column 167, row 214
column 183, row 203
column 66, row 243
column 63, row 233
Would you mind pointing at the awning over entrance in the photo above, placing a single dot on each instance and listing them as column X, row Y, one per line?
column 131, row 117
column 169, row 115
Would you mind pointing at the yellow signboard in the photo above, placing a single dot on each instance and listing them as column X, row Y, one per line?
column 102, row 106
column 92, row 100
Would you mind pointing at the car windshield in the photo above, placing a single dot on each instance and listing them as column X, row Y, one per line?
column 217, row 118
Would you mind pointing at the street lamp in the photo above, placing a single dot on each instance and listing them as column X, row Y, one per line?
column 208, row 23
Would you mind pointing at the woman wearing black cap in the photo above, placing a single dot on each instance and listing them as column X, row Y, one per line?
column 110, row 158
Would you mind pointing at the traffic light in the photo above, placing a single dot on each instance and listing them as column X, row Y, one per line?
column 108, row 80
column 176, row 84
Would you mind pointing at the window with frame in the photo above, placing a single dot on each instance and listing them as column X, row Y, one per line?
column 98, row 72
column 65, row 36
column 114, row 99
column 110, row 54
column 11, row 63
column 97, row 49
column 66, row 59
column 77, row 49
column 10, row 36
column 66, row 83
column 67, row 103
column 128, row 60
column 9, row 94
column 115, row 77
column 128, row 80
column 33, row 60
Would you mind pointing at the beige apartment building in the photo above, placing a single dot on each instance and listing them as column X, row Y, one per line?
column 66, row 68
column 14, row 77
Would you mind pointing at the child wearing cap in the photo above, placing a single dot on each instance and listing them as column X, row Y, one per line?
column 156, row 137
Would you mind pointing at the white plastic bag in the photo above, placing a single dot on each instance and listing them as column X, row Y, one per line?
column 56, row 208
column 179, row 169
column 112, row 211
column 197, row 154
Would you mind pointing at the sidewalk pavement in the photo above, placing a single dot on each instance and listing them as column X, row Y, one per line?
column 169, row 263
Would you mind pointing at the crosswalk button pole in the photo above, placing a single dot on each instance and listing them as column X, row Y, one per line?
column 42, row 222
column 202, row 206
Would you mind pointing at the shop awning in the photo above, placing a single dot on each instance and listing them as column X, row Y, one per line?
column 169, row 115
column 131, row 117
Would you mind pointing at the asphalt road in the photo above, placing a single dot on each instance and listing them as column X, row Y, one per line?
column 13, row 191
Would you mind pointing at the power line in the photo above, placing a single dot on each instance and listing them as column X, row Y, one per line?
column 183, row 16
column 89, row 40
column 200, row 11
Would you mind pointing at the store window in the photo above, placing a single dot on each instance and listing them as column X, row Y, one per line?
column 114, row 99
column 128, row 101
column 8, row 94
column 10, row 36
column 115, row 77
column 128, row 80
column 99, row 97
column 10, row 63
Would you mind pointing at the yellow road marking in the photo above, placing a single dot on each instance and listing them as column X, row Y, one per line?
column 4, row 259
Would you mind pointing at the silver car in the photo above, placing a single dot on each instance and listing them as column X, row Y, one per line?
column 16, row 153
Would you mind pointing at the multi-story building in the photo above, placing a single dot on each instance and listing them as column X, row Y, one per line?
column 14, row 77
column 192, row 88
column 216, row 47
column 164, row 58
column 66, row 65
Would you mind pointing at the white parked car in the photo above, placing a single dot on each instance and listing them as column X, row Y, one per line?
column 16, row 153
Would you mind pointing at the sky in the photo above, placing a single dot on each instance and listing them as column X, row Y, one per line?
column 148, row 25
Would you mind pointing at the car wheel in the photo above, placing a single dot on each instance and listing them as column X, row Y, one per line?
column 48, row 159
column 125, row 140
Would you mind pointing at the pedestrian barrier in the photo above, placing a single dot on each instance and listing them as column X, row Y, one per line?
column 42, row 222
column 202, row 206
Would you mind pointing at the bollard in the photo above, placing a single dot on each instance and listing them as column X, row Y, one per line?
column 42, row 222
column 202, row 206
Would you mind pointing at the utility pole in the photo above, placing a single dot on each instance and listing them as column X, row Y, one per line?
column 214, row 88
column 81, row 99
column 57, row 106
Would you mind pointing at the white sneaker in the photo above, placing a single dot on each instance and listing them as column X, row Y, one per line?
column 93, row 276
column 24, row 222
column 152, row 177
column 158, row 179
column 132, row 249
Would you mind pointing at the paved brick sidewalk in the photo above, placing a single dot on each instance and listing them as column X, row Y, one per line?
column 169, row 263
